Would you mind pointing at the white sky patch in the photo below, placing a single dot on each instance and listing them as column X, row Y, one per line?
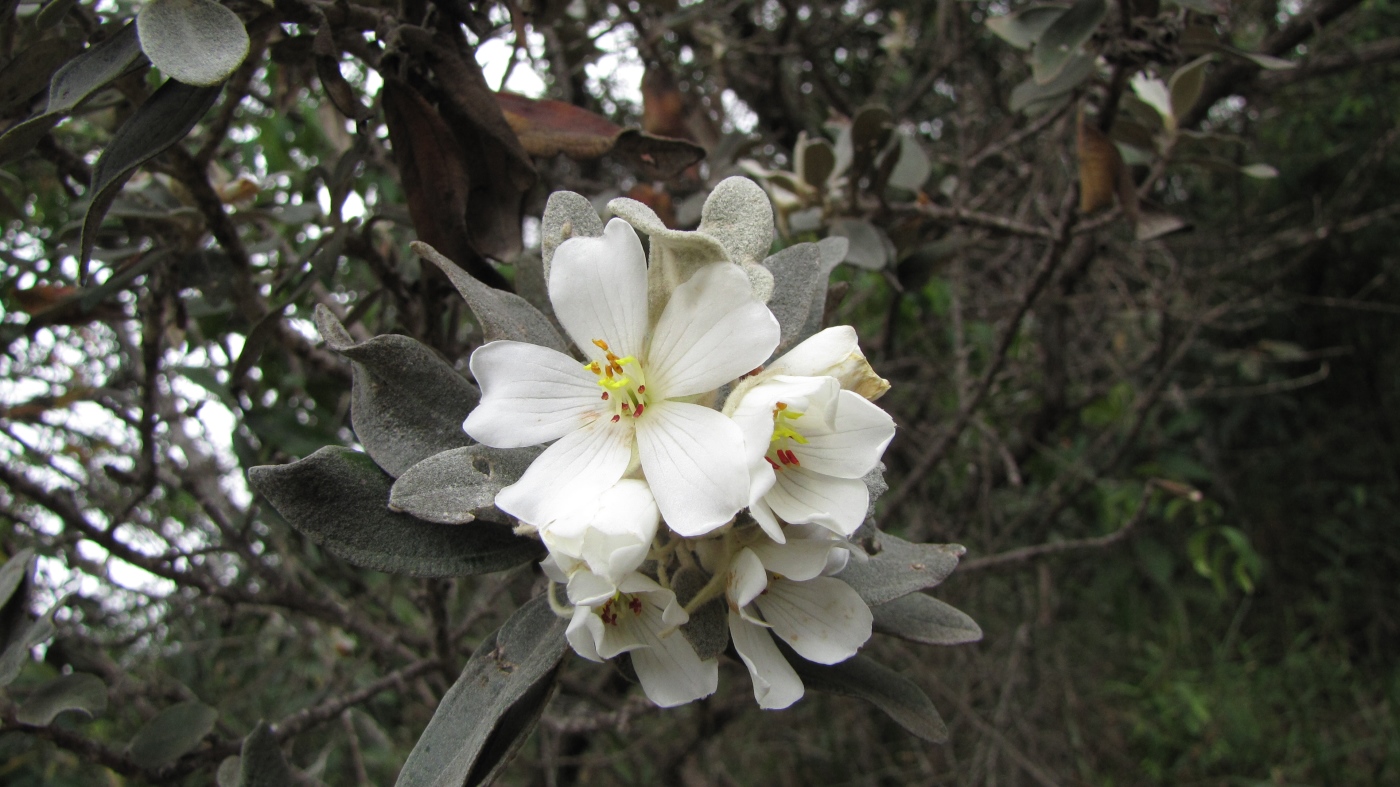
column 494, row 57
column 618, row 72
column 737, row 115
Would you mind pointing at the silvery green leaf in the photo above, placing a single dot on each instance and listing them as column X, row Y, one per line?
column 198, row 42
column 708, row 628
column 13, row 575
column 161, row 121
column 869, row 247
column 913, row 167
column 174, row 731
column 566, row 215
column 861, row 677
column 897, row 568
column 260, row 763
column 407, row 404
column 737, row 214
column 799, row 292
column 1031, row 95
column 924, row 619
column 457, row 486
column 876, row 486
column 79, row 691
column 1063, row 38
column 494, row 705
column 339, row 499
column 503, row 315
column 23, row 638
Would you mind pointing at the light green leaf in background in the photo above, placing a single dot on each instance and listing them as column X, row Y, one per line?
column 198, row 42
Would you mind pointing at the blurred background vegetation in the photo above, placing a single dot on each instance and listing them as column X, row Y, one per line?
column 1142, row 355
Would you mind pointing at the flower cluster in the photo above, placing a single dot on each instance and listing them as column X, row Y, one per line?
column 684, row 469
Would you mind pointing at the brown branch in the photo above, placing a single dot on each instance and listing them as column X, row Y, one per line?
column 1025, row 554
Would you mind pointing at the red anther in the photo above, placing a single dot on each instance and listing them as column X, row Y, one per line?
column 641, row 389
column 775, row 465
column 626, row 407
column 640, row 408
column 756, row 370
column 635, row 605
column 616, row 418
column 605, row 396
column 793, row 457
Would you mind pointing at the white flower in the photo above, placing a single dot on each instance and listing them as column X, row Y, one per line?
column 603, row 541
column 809, row 443
column 628, row 404
column 782, row 588
column 641, row 619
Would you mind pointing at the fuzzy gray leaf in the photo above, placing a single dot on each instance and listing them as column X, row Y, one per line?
column 80, row 692
column 924, row 619
column 261, row 763
column 900, row 568
column 339, row 499
column 198, row 42
column 708, row 628
column 457, row 486
column 566, row 215
column 799, row 292
column 174, row 731
column 407, row 403
column 879, row 685
column 503, row 315
column 494, row 705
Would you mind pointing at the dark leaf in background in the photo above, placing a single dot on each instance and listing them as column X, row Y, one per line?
column 161, row 121
column 340, row 499
column 260, row 763
column 26, row 75
column 1063, row 38
column 494, row 705
column 23, row 638
column 877, row 684
column 79, row 691
column 407, row 404
column 174, row 731
column 708, row 628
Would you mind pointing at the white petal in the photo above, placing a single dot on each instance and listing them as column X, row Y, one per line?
column 823, row 619
column 583, row 463
column 529, row 395
column 711, row 332
column 587, row 589
column 668, row 667
column 837, row 504
column 584, row 632
column 598, row 287
column 853, row 446
column 747, row 579
column 799, row 559
column 763, row 515
column 775, row 682
column 819, row 354
column 611, row 531
column 693, row 458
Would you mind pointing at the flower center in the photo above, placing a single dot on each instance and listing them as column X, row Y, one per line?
column 784, row 437
column 622, row 380
column 608, row 612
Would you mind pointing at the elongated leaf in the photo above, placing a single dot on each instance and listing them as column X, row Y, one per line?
column 799, row 292
column 503, row 315
column 77, row 692
column 17, row 648
column 922, row 618
column 27, row 74
column 1031, row 95
column 1063, row 38
column 1186, row 84
column 261, row 764
column 198, row 42
column 407, row 403
column 900, row 568
column 339, row 499
column 92, row 70
column 164, row 119
column 879, row 685
column 1022, row 28
column 457, row 486
column 174, row 731
column 12, row 575
column 494, row 705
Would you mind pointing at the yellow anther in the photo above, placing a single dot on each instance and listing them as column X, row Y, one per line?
column 623, row 361
column 621, row 382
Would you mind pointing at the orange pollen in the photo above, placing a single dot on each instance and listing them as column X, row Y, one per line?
column 609, row 370
column 600, row 344
column 782, row 405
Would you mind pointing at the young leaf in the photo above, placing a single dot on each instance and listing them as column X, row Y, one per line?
column 494, row 705
column 870, row 248
column 339, row 499
column 1063, row 38
column 566, row 215
column 900, row 568
column 198, row 42
column 164, row 119
column 924, row 619
column 457, row 486
column 914, row 165
column 503, row 315
column 174, row 731
column 77, row 692
column 1030, row 94
column 1185, row 86
column 407, row 404
column 861, row 677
